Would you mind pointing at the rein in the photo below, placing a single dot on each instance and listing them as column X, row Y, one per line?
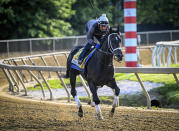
column 105, row 52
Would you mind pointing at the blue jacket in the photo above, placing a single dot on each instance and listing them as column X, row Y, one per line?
column 92, row 30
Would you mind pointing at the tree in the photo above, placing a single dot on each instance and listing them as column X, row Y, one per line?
column 92, row 9
column 35, row 18
column 149, row 12
column 161, row 12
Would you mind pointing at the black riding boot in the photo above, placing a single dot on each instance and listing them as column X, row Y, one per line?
column 83, row 54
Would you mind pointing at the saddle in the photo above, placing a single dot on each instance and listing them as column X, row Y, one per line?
column 74, row 62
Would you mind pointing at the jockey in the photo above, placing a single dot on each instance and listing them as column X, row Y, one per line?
column 94, row 29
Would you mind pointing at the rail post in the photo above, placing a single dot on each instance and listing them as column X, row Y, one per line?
column 145, row 92
column 33, row 76
column 49, row 76
column 61, row 79
column 48, row 87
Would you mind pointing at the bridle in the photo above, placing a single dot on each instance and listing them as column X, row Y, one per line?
column 111, row 49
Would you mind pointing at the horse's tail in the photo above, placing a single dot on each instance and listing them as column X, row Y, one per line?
column 69, row 59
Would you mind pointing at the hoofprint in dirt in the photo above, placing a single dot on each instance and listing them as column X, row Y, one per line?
column 25, row 114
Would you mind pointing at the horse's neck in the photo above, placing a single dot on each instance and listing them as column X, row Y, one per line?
column 105, row 56
column 104, row 46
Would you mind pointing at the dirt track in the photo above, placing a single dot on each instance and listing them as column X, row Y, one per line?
column 20, row 114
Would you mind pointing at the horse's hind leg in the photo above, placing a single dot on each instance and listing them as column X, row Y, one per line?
column 114, row 86
column 73, row 75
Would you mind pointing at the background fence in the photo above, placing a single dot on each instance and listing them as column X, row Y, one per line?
column 31, row 46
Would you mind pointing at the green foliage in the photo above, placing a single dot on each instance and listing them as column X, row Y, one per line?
column 173, row 97
column 49, row 18
column 161, row 12
column 36, row 18
column 156, row 12
column 85, row 12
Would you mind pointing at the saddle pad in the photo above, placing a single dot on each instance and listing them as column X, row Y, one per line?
column 75, row 57
column 75, row 64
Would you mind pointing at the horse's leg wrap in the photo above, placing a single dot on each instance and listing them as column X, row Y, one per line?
column 80, row 111
column 98, row 111
column 77, row 101
column 115, row 101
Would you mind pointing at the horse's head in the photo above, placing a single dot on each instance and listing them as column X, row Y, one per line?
column 113, row 43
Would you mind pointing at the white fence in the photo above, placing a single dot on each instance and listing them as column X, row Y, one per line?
column 161, row 49
column 18, row 75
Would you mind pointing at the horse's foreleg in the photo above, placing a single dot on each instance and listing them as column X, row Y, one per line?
column 115, row 101
column 96, row 100
column 114, row 86
column 114, row 105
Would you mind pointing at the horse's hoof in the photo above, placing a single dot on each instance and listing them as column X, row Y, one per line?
column 89, row 102
column 111, row 114
column 99, row 116
column 80, row 114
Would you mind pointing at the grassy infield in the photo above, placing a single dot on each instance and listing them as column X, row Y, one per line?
column 169, row 92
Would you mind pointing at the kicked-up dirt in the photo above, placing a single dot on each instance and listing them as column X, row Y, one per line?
column 26, row 114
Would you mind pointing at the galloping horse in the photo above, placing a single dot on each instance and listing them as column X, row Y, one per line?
column 99, row 70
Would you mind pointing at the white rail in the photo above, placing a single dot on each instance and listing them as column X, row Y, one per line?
column 160, row 49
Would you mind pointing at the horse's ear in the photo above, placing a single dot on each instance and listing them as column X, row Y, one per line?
column 110, row 30
column 118, row 30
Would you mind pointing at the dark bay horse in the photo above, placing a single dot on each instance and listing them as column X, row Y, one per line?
column 99, row 70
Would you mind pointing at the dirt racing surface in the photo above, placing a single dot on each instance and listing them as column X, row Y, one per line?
column 26, row 114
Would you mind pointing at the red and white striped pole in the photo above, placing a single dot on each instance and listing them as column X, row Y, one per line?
column 130, row 30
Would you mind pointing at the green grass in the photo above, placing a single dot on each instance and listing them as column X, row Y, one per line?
column 158, row 78
column 170, row 90
column 54, row 84
column 174, row 65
